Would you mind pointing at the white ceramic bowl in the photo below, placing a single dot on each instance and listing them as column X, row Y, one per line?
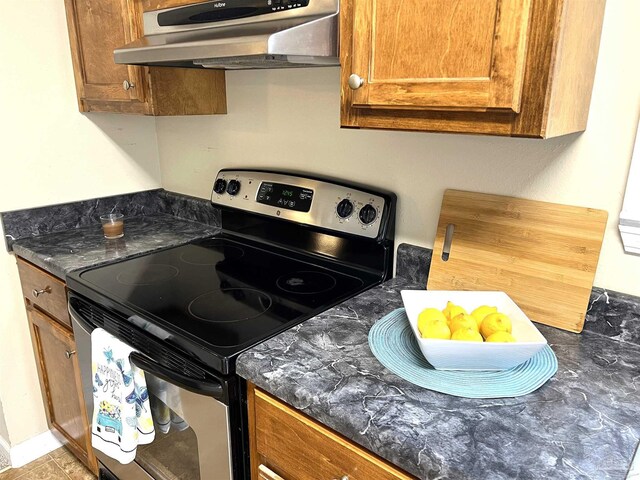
column 459, row 355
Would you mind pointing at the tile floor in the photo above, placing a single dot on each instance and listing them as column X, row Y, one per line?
column 57, row 465
column 4, row 463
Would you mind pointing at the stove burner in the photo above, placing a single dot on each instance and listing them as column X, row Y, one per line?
column 306, row 282
column 214, row 251
column 148, row 275
column 230, row 305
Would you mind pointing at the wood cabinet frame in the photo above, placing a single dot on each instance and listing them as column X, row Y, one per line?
column 559, row 68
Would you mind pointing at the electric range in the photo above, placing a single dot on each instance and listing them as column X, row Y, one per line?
column 290, row 247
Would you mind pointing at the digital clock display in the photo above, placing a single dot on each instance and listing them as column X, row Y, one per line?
column 285, row 196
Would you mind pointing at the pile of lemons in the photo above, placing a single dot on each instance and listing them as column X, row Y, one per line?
column 485, row 323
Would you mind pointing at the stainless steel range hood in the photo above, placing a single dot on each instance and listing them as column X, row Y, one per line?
column 238, row 34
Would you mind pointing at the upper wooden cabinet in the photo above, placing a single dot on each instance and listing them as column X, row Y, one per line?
column 504, row 67
column 96, row 28
column 467, row 56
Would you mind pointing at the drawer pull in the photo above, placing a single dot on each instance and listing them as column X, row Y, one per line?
column 69, row 354
column 344, row 477
column 36, row 293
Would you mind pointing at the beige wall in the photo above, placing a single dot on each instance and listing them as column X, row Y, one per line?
column 51, row 154
column 290, row 120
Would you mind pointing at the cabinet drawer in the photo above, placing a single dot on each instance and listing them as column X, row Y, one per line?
column 45, row 291
column 294, row 446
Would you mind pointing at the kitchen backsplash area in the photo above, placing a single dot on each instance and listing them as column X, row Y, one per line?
column 610, row 313
column 32, row 222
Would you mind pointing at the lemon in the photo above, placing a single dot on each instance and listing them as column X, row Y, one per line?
column 455, row 311
column 481, row 312
column 463, row 321
column 452, row 310
column 429, row 315
column 436, row 329
column 502, row 337
column 495, row 322
column 467, row 334
column 447, row 310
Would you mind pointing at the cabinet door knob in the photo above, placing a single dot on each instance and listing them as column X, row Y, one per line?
column 69, row 354
column 127, row 85
column 36, row 293
column 344, row 477
column 355, row 81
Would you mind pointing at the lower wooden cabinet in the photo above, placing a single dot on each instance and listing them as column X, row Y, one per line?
column 56, row 360
column 288, row 445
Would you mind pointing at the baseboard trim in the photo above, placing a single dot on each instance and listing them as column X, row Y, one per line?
column 30, row 450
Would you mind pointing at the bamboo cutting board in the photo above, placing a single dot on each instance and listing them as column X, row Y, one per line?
column 543, row 255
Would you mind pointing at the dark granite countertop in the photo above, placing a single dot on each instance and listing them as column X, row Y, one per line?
column 582, row 424
column 61, row 252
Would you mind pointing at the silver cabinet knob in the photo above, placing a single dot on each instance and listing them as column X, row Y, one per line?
column 127, row 85
column 69, row 354
column 36, row 293
column 344, row 477
column 355, row 81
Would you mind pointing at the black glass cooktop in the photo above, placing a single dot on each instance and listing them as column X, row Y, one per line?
column 223, row 294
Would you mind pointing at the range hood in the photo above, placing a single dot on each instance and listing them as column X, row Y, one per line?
column 238, row 34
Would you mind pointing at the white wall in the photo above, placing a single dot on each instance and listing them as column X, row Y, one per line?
column 51, row 154
column 290, row 120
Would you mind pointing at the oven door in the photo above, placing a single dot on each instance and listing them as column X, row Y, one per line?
column 192, row 427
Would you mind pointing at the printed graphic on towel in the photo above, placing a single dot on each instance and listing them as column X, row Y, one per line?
column 110, row 380
column 109, row 417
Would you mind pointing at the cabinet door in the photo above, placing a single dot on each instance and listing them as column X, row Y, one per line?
column 59, row 371
column 96, row 28
column 439, row 54
column 285, row 444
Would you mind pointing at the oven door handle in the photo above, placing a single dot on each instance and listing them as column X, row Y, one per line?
column 210, row 388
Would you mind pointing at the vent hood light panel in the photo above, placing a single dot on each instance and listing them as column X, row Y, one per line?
column 241, row 36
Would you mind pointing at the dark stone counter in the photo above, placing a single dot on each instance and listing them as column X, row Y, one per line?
column 583, row 423
column 60, row 252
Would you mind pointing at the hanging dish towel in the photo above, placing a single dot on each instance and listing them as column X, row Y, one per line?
column 164, row 418
column 121, row 413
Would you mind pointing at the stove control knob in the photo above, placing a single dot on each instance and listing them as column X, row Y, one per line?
column 344, row 208
column 220, row 186
column 367, row 214
column 234, row 187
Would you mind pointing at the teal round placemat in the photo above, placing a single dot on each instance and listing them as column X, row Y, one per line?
column 392, row 342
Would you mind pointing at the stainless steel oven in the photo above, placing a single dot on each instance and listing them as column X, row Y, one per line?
column 289, row 248
column 192, row 421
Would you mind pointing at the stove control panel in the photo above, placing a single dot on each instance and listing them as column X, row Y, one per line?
column 300, row 199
